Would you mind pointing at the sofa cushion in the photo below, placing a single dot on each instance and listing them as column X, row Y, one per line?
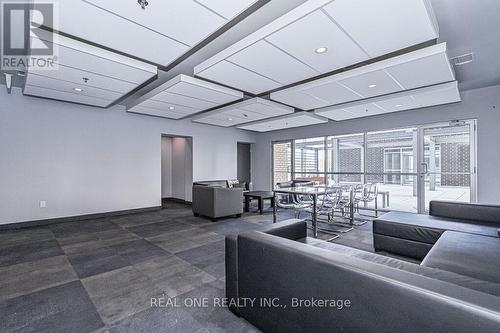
column 435, row 273
column 425, row 228
column 466, row 254
column 471, row 212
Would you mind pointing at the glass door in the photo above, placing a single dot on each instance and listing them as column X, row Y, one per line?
column 447, row 163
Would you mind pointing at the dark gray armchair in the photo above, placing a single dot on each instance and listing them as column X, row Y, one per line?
column 214, row 199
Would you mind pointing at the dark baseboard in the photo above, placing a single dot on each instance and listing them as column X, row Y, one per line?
column 38, row 223
column 176, row 200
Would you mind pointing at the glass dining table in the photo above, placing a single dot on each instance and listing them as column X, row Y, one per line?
column 315, row 192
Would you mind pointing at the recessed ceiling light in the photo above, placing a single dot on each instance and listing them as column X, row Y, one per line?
column 399, row 105
column 372, row 86
column 230, row 119
column 321, row 50
column 171, row 107
column 78, row 89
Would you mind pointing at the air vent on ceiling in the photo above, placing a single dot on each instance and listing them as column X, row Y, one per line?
column 463, row 59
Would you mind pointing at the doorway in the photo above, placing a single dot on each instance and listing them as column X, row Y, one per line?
column 447, row 163
column 244, row 163
column 176, row 168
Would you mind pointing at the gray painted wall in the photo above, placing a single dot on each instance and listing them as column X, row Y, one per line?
column 166, row 167
column 85, row 160
column 481, row 104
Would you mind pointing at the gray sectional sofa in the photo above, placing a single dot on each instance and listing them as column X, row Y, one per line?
column 455, row 289
column 413, row 235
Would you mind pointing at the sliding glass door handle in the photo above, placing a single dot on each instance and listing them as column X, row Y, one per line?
column 425, row 168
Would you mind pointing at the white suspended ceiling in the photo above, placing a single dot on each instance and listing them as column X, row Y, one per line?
column 284, row 51
column 161, row 33
column 418, row 98
column 424, row 67
column 183, row 96
column 297, row 119
column 85, row 74
column 243, row 112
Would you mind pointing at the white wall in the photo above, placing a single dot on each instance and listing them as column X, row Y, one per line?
column 182, row 166
column 166, row 167
column 85, row 160
column 482, row 104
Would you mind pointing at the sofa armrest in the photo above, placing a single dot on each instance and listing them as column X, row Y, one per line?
column 466, row 211
column 231, row 263
column 203, row 200
column 292, row 229
column 228, row 201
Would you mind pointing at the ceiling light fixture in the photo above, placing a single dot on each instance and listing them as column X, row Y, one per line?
column 321, row 50
column 372, row 86
column 143, row 3
column 230, row 119
column 399, row 105
column 78, row 89
column 171, row 107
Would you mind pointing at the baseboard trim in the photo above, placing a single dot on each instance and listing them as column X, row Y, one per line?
column 38, row 223
column 181, row 201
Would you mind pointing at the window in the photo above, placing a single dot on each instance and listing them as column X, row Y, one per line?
column 310, row 160
column 407, row 177
column 282, row 162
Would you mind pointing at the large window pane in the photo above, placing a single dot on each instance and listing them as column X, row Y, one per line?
column 282, row 162
column 391, row 163
column 310, row 160
column 448, row 163
column 345, row 158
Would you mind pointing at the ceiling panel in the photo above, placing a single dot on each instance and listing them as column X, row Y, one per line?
column 428, row 66
column 185, row 95
column 227, row 9
column 297, row 119
column 63, row 86
column 155, row 112
column 86, row 74
column 64, row 96
column 315, row 30
column 271, row 62
column 243, row 112
column 418, row 98
column 168, row 17
column 236, row 76
column 298, row 35
column 371, row 84
column 161, row 33
column 383, row 26
column 424, row 71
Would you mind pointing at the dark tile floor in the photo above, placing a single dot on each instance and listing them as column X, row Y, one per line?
column 100, row 275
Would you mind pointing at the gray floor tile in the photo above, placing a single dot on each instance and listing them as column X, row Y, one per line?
column 28, row 235
column 20, row 253
column 121, row 293
column 175, row 320
column 100, row 260
column 173, row 275
column 155, row 229
column 138, row 251
column 32, row 276
column 65, row 308
column 231, row 227
column 116, row 236
column 185, row 239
